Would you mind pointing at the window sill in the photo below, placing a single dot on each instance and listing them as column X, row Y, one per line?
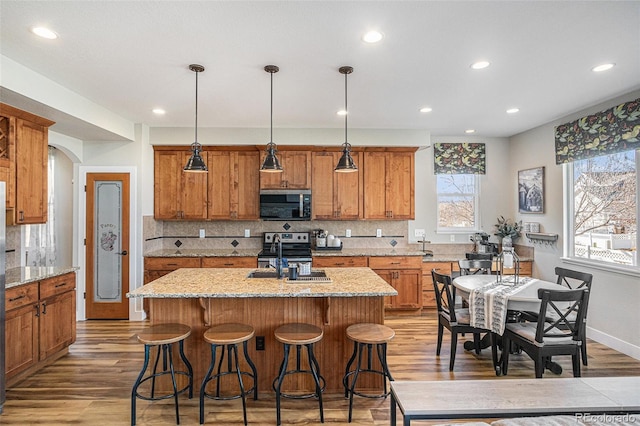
column 632, row 271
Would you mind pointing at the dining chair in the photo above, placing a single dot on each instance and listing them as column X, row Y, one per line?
column 454, row 320
column 478, row 256
column 475, row 266
column 558, row 336
column 572, row 280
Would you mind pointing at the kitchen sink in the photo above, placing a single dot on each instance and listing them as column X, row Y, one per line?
column 273, row 274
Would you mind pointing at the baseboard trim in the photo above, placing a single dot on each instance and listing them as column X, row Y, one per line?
column 614, row 343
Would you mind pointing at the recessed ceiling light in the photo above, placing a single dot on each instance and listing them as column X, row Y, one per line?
column 44, row 33
column 159, row 111
column 426, row 109
column 513, row 110
column 372, row 36
column 470, row 131
column 480, row 65
column 342, row 112
column 602, row 67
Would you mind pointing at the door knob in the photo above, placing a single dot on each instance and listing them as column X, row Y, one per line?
column 123, row 253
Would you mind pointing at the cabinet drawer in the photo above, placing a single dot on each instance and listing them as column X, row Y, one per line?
column 440, row 267
column 395, row 262
column 340, row 262
column 16, row 297
column 57, row 285
column 230, row 262
column 171, row 263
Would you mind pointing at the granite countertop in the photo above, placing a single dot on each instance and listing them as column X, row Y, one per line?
column 203, row 253
column 454, row 257
column 24, row 275
column 355, row 252
column 233, row 282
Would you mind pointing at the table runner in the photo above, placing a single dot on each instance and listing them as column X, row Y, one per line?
column 488, row 304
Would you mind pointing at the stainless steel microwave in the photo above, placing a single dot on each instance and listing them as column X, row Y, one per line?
column 285, row 204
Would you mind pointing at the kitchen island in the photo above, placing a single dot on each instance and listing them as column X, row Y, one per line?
column 202, row 297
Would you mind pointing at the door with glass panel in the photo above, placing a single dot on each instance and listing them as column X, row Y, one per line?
column 107, row 246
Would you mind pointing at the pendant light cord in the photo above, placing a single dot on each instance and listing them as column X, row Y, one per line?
column 271, row 118
column 346, row 111
column 196, row 131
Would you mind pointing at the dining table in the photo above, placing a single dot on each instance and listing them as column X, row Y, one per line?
column 494, row 300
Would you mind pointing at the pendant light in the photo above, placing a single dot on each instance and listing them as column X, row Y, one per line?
column 196, row 163
column 271, row 164
column 346, row 163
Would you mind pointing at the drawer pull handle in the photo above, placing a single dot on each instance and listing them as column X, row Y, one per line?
column 22, row 296
column 44, row 307
column 228, row 264
column 395, row 263
column 172, row 264
column 37, row 310
column 60, row 285
column 339, row 263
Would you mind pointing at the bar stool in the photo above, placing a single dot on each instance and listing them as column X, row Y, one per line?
column 228, row 336
column 163, row 336
column 367, row 335
column 299, row 335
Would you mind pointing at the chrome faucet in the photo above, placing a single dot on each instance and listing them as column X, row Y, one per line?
column 272, row 249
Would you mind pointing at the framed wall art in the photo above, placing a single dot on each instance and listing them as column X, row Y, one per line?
column 531, row 190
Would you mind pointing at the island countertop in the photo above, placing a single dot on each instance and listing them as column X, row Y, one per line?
column 234, row 283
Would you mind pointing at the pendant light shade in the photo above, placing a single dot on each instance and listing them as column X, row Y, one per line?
column 346, row 163
column 196, row 163
column 271, row 162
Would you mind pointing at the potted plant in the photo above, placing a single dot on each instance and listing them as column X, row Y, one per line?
column 507, row 228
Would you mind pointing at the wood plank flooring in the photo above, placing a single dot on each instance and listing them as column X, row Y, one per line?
column 92, row 385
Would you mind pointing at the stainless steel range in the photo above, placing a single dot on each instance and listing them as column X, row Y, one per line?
column 296, row 248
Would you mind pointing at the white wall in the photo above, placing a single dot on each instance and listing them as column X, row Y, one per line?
column 613, row 305
column 494, row 188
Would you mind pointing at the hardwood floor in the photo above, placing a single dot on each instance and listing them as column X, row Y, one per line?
column 92, row 385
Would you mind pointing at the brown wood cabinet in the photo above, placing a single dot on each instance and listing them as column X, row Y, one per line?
column 237, row 171
column 340, row 262
column 156, row 267
column 177, row 195
column 40, row 324
column 296, row 174
column 404, row 273
column 428, row 293
column 336, row 196
column 389, row 185
column 23, row 164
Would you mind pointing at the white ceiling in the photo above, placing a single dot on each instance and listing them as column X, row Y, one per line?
column 132, row 56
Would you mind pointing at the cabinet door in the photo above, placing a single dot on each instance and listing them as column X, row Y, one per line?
column 375, row 171
column 57, row 323
column 347, row 190
column 408, row 283
column 220, row 164
column 387, row 275
column 428, row 292
column 31, row 172
column 400, row 185
column 296, row 171
column 245, row 199
column 7, row 158
column 167, row 184
column 21, row 339
column 322, row 185
column 193, row 191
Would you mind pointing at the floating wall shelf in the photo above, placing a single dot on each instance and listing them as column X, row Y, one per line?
column 539, row 237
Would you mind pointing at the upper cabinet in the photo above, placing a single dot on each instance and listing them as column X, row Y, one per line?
column 239, row 172
column 178, row 195
column 23, row 164
column 296, row 174
column 389, row 184
column 335, row 196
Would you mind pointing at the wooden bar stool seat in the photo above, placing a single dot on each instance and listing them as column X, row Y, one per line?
column 163, row 336
column 367, row 335
column 228, row 337
column 299, row 335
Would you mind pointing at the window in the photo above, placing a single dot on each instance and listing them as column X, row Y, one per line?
column 457, row 197
column 603, row 201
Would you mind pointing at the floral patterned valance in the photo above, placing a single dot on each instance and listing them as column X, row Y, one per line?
column 614, row 130
column 459, row 158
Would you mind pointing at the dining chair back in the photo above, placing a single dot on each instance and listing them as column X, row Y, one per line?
column 479, row 256
column 456, row 320
column 558, row 334
column 474, row 267
column 576, row 279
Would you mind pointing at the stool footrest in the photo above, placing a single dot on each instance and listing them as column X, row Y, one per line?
column 345, row 383
column 299, row 396
column 246, row 392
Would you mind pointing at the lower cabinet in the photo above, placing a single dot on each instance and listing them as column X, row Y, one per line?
column 40, row 324
column 428, row 293
column 404, row 273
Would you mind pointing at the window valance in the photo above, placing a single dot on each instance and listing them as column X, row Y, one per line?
column 459, row 158
column 614, row 130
